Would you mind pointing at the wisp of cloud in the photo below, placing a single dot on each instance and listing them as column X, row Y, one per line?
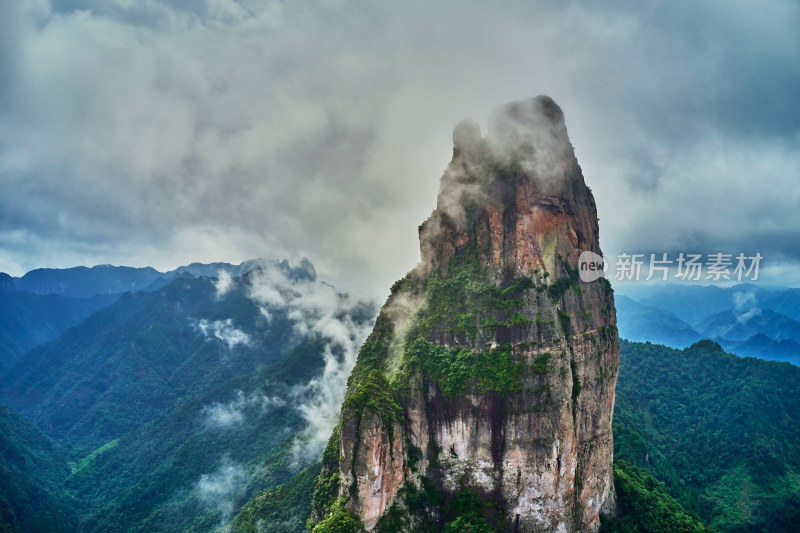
column 318, row 311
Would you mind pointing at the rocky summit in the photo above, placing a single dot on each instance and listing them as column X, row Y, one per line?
column 483, row 398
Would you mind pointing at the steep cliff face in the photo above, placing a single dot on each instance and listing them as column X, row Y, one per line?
column 485, row 393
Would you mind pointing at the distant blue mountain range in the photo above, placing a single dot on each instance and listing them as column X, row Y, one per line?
column 744, row 319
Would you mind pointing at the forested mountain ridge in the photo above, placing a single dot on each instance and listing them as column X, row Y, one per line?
column 85, row 282
column 722, row 432
column 173, row 407
column 136, row 358
column 42, row 304
column 28, row 320
column 33, row 470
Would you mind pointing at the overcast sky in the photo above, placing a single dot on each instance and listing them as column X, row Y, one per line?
column 165, row 132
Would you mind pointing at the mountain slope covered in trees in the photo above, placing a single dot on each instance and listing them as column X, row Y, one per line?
column 722, row 432
column 171, row 408
column 33, row 470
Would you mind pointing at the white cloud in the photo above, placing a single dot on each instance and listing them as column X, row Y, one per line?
column 223, row 283
column 316, row 309
column 233, row 413
column 224, row 331
column 745, row 306
column 219, row 415
column 218, row 489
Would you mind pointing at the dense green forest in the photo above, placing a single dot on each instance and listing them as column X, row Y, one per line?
column 33, row 469
column 28, row 320
column 128, row 363
column 643, row 505
column 720, row 431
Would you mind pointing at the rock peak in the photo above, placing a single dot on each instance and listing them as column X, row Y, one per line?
column 526, row 117
column 519, row 189
column 533, row 132
column 491, row 368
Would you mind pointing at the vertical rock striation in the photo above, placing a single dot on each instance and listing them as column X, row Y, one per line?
column 485, row 393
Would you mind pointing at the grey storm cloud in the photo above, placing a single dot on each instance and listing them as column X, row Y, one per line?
column 165, row 132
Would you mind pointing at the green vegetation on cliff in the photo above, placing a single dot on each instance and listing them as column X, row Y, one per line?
column 326, row 487
column 339, row 520
column 373, row 393
column 430, row 511
column 457, row 370
column 465, row 301
column 459, row 306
